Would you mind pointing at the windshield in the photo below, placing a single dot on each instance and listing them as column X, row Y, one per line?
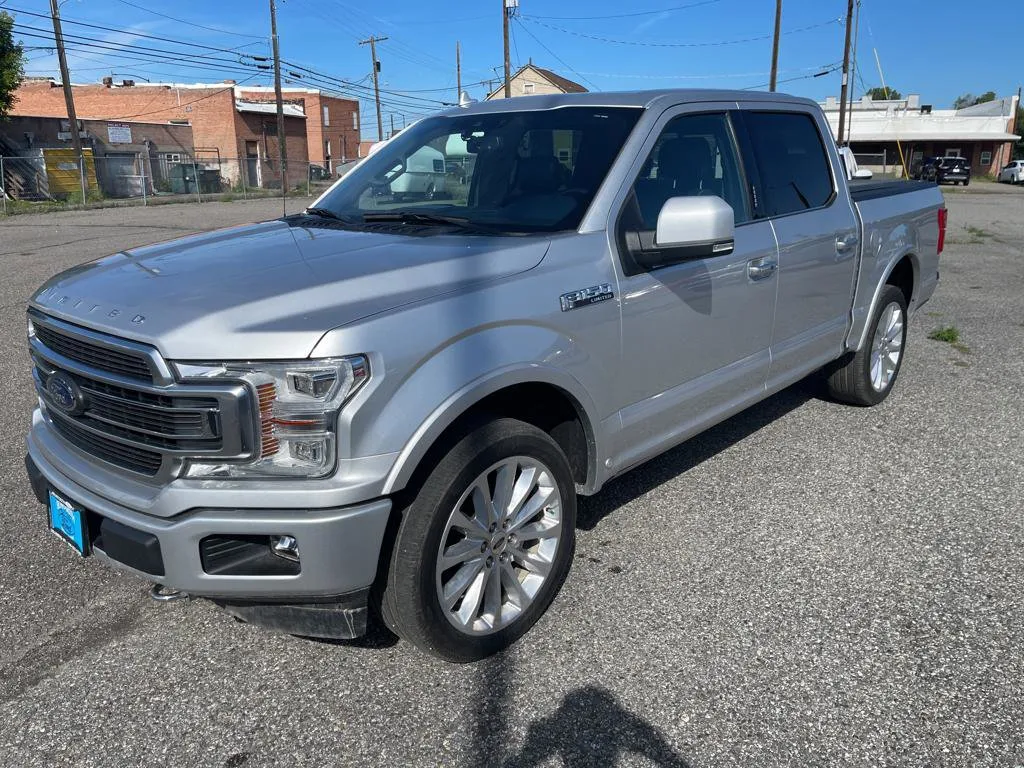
column 507, row 172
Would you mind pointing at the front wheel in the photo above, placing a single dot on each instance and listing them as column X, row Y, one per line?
column 867, row 376
column 483, row 548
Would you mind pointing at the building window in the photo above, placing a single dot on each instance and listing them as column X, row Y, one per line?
column 327, row 116
column 355, row 121
column 172, row 157
column 986, row 158
column 953, row 152
column 528, row 87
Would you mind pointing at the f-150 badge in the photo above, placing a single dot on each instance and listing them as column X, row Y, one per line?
column 586, row 297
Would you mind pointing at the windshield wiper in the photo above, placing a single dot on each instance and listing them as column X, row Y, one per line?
column 414, row 217
column 324, row 213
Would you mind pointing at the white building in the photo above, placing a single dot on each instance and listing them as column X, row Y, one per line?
column 984, row 134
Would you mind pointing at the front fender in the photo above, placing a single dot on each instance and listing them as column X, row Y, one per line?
column 450, row 380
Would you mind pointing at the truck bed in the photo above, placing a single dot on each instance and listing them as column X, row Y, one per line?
column 868, row 189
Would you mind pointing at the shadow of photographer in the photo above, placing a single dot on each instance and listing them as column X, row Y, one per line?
column 591, row 729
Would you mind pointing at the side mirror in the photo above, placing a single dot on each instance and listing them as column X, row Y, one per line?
column 688, row 228
column 863, row 173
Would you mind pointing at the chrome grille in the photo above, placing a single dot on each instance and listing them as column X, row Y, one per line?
column 149, row 427
column 94, row 355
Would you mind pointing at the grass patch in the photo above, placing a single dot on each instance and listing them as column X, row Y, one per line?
column 961, row 364
column 977, row 232
column 949, row 334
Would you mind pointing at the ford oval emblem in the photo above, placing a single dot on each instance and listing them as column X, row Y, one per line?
column 65, row 394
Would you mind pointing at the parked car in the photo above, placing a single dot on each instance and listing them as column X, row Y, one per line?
column 397, row 406
column 1013, row 173
column 945, row 169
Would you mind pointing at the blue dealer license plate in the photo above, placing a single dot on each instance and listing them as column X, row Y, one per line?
column 68, row 522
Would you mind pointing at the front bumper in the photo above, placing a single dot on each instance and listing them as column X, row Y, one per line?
column 339, row 549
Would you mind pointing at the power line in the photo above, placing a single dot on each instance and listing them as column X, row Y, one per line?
column 184, row 104
column 138, row 35
column 723, row 75
column 190, row 23
column 85, row 49
column 515, row 47
column 37, row 32
column 629, row 15
column 828, row 71
column 555, row 55
column 343, row 84
column 642, row 43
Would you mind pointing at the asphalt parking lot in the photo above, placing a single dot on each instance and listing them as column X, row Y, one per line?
column 807, row 584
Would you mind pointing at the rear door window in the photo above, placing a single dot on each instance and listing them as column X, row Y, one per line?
column 791, row 157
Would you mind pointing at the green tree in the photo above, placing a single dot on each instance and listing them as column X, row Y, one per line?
column 11, row 64
column 969, row 99
column 885, row 94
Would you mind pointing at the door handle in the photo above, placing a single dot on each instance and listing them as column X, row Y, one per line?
column 846, row 243
column 761, row 269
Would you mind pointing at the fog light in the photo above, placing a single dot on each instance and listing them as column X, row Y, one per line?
column 286, row 547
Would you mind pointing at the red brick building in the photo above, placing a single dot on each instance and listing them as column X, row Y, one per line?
column 233, row 128
column 332, row 123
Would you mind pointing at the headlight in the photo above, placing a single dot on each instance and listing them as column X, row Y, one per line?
column 298, row 413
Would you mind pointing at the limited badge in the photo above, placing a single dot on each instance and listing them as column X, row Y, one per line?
column 587, row 296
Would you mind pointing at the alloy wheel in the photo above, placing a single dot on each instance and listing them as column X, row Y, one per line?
column 887, row 348
column 499, row 545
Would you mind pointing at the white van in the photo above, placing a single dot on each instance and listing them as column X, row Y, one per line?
column 423, row 177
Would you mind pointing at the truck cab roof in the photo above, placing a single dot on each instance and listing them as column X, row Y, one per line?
column 639, row 99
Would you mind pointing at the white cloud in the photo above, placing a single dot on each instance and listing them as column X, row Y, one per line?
column 643, row 26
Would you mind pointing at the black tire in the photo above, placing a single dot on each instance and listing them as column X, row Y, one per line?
column 967, row 182
column 849, row 378
column 408, row 598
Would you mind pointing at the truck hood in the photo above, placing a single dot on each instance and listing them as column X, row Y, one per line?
column 271, row 290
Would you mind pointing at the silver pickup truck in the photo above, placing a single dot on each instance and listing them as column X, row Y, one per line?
column 392, row 402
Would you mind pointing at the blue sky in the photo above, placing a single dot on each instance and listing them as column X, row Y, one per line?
column 644, row 44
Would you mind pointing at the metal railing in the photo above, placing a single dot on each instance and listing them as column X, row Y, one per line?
column 884, row 164
column 54, row 181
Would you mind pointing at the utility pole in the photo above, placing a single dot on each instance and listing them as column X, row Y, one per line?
column 775, row 46
column 853, row 72
column 69, row 99
column 506, row 12
column 846, row 72
column 372, row 42
column 392, row 124
column 282, row 150
column 458, row 72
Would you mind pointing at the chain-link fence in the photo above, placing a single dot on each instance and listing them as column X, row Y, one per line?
column 884, row 164
column 57, row 179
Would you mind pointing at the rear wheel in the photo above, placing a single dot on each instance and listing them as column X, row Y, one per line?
column 485, row 545
column 867, row 376
column 967, row 182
